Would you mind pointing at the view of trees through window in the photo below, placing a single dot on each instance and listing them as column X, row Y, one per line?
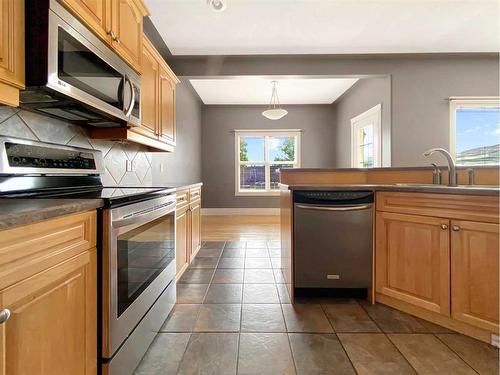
column 261, row 158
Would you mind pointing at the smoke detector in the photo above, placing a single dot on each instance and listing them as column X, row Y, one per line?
column 217, row 5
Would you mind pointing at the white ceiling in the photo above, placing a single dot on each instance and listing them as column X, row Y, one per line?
column 190, row 27
column 255, row 90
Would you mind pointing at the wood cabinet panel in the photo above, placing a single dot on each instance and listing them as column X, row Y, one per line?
column 452, row 206
column 412, row 260
column 29, row 249
column 53, row 324
column 195, row 210
column 181, row 241
column 94, row 13
column 166, row 122
column 11, row 50
column 149, row 92
column 475, row 273
column 127, row 18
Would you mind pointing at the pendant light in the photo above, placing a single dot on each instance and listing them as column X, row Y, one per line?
column 275, row 112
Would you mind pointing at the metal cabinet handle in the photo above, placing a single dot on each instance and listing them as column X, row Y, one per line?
column 455, row 228
column 118, row 40
column 444, row 226
column 112, row 34
column 4, row 315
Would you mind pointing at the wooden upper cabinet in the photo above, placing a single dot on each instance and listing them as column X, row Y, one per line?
column 166, row 121
column 475, row 273
column 149, row 92
column 126, row 23
column 94, row 13
column 412, row 260
column 11, row 50
column 119, row 23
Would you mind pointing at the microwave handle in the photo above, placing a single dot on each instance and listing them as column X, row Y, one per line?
column 130, row 107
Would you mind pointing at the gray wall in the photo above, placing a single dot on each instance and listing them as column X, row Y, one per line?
column 218, row 165
column 420, row 85
column 365, row 94
column 184, row 164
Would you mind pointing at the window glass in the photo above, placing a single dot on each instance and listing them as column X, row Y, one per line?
column 252, row 148
column 261, row 156
column 282, row 148
column 477, row 133
column 365, row 144
column 252, row 176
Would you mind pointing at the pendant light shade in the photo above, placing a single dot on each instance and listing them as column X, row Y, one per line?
column 275, row 112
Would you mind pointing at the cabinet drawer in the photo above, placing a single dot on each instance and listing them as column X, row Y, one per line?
column 195, row 194
column 465, row 207
column 182, row 198
column 29, row 249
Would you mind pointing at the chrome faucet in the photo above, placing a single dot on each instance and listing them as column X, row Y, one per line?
column 452, row 170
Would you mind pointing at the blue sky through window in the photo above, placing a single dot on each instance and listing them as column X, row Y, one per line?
column 477, row 127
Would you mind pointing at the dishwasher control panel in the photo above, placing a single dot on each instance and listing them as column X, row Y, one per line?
column 333, row 197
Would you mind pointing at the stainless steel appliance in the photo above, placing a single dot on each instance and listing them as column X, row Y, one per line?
column 136, row 241
column 333, row 239
column 72, row 75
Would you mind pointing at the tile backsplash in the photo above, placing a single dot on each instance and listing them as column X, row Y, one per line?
column 23, row 124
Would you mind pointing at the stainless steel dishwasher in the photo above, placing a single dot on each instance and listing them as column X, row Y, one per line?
column 333, row 239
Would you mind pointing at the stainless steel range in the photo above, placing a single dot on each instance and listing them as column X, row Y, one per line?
column 136, row 233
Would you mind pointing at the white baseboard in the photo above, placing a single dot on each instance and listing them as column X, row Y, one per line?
column 240, row 211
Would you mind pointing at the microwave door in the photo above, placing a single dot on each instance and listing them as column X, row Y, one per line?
column 81, row 71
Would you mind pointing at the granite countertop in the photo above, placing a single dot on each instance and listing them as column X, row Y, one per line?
column 23, row 211
column 15, row 211
column 418, row 188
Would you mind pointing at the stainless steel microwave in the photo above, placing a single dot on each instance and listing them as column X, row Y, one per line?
column 72, row 75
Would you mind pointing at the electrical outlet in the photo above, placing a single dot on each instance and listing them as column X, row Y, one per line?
column 133, row 166
column 495, row 340
column 161, row 167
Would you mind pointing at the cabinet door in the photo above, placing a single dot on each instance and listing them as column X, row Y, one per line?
column 166, row 128
column 149, row 93
column 181, row 242
column 195, row 228
column 92, row 13
column 474, row 273
column 52, row 328
column 11, row 50
column 412, row 260
column 127, row 25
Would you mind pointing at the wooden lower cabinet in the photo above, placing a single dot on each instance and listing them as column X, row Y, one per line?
column 188, row 227
column 440, row 261
column 413, row 261
column 181, row 241
column 195, row 210
column 475, row 273
column 52, row 328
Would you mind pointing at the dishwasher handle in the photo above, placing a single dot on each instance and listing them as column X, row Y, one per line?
column 334, row 208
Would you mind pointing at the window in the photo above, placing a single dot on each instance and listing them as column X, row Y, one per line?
column 260, row 155
column 475, row 131
column 366, row 147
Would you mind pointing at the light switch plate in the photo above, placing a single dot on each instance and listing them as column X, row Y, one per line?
column 495, row 340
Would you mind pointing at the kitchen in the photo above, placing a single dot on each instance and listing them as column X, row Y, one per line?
column 257, row 203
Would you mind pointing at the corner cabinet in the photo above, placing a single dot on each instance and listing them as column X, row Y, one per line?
column 119, row 23
column 437, row 256
column 48, row 284
column 188, row 227
column 11, row 51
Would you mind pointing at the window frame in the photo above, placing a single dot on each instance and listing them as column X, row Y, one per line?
column 266, row 162
column 356, row 124
column 466, row 102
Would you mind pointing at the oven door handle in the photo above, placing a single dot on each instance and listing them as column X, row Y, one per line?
column 144, row 217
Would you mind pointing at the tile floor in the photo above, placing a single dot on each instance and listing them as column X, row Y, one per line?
column 233, row 316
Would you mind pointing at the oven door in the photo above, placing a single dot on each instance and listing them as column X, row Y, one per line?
column 83, row 68
column 138, row 264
